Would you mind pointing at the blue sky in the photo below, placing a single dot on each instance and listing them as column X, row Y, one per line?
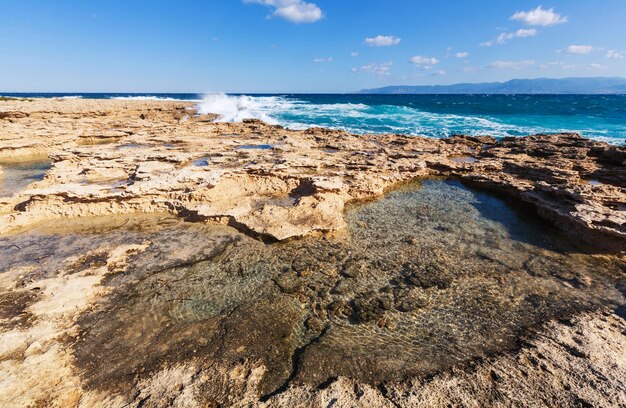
column 301, row 46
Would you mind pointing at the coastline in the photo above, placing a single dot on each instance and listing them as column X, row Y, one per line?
column 226, row 187
column 113, row 156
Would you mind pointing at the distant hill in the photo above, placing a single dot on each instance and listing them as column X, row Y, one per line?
column 599, row 85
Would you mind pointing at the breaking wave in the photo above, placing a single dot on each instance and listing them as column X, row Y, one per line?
column 237, row 108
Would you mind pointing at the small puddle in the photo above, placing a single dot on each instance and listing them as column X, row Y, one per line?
column 130, row 146
column 255, row 147
column 17, row 176
column 591, row 182
column 463, row 159
column 200, row 162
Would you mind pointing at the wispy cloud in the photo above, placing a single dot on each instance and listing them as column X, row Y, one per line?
column 375, row 69
column 540, row 17
column 614, row 54
column 579, row 49
column 579, row 67
column 424, row 61
column 296, row 11
column 382, row 41
column 463, row 54
column 354, row 54
column 571, row 67
column 504, row 37
column 322, row 60
column 439, row 72
column 511, row 64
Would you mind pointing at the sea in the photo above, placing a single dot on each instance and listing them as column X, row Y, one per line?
column 600, row 117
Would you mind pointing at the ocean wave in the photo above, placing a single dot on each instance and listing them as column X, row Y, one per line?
column 360, row 118
column 237, row 108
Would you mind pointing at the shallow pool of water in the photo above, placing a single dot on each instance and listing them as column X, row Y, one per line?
column 16, row 176
column 431, row 276
column 255, row 147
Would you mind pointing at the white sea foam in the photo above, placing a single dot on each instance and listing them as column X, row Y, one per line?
column 232, row 108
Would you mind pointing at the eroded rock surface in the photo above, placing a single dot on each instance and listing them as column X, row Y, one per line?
column 424, row 293
column 119, row 157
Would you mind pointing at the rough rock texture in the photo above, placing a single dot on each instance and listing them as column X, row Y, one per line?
column 85, row 320
column 113, row 156
column 551, row 369
column 576, row 183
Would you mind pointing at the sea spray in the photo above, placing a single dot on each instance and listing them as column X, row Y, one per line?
column 237, row 108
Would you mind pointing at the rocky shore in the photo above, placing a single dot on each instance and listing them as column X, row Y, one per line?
column 119, row 157
column 169, row 191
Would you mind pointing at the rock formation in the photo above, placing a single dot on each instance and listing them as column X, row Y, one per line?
column 165, row 259
column 119, row 157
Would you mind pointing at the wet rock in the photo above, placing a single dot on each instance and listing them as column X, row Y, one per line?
column 386, row 323
column 410, row 304
column 314, row 324
column 371, row 308
column 353, row 269
column 344, row 286
column 339, row 309
column 288, row 283
column 426, row 275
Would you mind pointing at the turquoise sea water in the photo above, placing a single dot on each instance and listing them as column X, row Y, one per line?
column 601, row 117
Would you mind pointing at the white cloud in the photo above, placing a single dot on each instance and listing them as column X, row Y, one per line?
column 539, row 17
column 439, row 72
column 354, row 54
column 463, row 54
column 579, row 49
column 511, row 64
column 375, row 69
column 320, row 60
column 571, row 67
column 424, row 61
column 383, row 41
column 587, row 67
column 614, row 54
column 550, row 64
column 468, row 69
column 504, row 37
column 296, row 11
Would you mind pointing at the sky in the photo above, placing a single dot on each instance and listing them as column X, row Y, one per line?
column 290, row 46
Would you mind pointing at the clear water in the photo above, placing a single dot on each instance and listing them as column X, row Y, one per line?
column 601, row 117
column 431, row 276
column 17, row 176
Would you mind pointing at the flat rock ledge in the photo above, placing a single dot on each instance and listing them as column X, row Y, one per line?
column 121, row 157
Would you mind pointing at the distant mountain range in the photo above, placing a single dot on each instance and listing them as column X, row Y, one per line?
column 598, row 85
